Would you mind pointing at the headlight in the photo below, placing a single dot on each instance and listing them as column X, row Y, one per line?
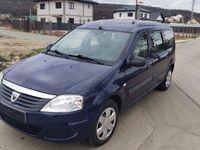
column 64, row 103
column 1, row 77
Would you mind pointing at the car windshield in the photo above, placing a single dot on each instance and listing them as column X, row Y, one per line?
column 99, row 45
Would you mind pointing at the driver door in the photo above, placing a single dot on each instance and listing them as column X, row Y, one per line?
column 139, row 79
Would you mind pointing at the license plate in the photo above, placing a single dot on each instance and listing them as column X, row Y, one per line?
column 11, row 113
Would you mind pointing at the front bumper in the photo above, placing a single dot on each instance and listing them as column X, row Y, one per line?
column 51, row 127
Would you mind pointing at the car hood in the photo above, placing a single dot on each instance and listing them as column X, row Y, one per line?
column 54, row 75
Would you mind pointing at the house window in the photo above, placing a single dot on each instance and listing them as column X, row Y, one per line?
column 145, row 16
column 130, row 14
column 42, row 6
column 43, row 20
column 120, row 14
column 58, row 5
column 71, row 5
column 71, row 20
column 88, row 6
column 88, row 20
column 141, row 15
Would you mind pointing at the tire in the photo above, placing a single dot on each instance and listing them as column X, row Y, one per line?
column 103, row 128
column 167, row 82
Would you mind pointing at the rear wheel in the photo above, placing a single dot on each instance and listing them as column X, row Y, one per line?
column 167, row 82
column 105, row 124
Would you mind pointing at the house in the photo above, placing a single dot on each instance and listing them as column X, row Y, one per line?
column 193, row 21
column 64, row 11
column 5, row 16
column 157, row 16
column 176, row 19
column 128, row 12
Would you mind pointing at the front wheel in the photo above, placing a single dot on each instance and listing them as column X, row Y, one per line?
column 167, row 82
column 105, row 124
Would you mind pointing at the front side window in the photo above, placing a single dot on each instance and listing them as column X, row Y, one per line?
column 71, row 5
column 58, row 5
column 157, row 42
column 105, row 46
column 130, row 14
column 42, row 5
column 141, row 49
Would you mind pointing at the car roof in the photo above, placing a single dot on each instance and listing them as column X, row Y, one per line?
column 124, row 25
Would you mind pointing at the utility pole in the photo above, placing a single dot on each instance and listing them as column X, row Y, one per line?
column 137, row 10
column 136, row 5
column 192, row 12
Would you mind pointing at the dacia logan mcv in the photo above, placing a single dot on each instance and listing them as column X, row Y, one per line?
column 77, row 87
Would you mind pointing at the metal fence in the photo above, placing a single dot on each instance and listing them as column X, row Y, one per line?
column 42, row 27
column 182, row 31
column 185, row 31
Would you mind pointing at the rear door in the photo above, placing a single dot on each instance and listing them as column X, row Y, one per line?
column 159, row 60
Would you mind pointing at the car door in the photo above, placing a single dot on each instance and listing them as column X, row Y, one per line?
column 159, row 57
column 139, row 79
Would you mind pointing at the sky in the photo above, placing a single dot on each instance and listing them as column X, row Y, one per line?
column 171, row 4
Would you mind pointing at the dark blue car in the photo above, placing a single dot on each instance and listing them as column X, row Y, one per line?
column 77, row 87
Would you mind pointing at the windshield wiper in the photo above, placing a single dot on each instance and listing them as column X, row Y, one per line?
column 87, row 59
column 59, row 53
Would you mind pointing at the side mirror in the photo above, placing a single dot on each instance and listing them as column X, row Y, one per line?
column 137, row 62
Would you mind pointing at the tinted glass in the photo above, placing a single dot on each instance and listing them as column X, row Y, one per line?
column 157, row 42
column 141, row 49
column 101, row 45
column 169, row 38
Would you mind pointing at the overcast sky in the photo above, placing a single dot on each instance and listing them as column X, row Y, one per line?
column 172, row 4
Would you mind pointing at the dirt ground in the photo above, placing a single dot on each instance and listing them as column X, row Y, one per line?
column 9, row 45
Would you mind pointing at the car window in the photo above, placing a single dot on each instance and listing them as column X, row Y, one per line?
column 141, row 49
column 169, row 38
column 104, row 46
column 157, row 42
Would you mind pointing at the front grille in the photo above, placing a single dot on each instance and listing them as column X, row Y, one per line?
column 30, row 129
column 25, row 102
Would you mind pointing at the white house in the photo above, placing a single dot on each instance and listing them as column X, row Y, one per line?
column 128, row 12
column 64, row 11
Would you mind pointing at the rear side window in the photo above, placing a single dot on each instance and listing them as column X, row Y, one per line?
column 157, row 42
column 169, row 38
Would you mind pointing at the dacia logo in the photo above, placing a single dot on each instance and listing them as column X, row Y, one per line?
column 14, row 97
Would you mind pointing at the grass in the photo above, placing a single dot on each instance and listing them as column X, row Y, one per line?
column 31, row 53
column 19, row 56
column 3, row 59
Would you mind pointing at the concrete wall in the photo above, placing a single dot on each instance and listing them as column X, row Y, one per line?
column 81, row 13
